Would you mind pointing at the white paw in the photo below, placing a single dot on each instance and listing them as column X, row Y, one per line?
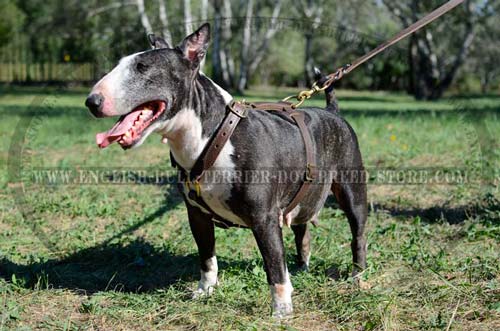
column 204, row 290
column 282, row 310
column 199, row 293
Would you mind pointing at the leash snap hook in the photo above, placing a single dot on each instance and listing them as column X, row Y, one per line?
column 303, row 95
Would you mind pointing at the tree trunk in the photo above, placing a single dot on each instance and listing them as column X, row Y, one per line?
column 164, row 21
column 228, row 67
column 188, row 19
column 445, row 83
column 216, row 50
column 245, row 48
column 144, row 16
column 271, row 31
column 431, row 73
column 221, row 35
column 204, row 10
column 309, row 62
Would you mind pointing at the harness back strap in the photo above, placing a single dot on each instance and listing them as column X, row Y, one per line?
column 238, row 111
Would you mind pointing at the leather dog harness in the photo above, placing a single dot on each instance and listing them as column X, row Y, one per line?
column 236, row 111
column 239, row 110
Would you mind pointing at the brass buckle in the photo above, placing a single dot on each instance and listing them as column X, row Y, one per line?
column 244, row 112
column 196, row 184
column 309, row 172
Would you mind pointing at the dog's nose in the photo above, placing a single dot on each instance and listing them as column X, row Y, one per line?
column 94, row 103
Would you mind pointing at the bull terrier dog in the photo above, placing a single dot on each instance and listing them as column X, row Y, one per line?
column 162, row 90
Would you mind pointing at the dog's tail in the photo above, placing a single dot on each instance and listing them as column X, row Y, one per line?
column 331, row 98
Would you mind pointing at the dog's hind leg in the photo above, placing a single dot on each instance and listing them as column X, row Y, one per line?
column 202, row 228
column 352, row 200
column 303, row 244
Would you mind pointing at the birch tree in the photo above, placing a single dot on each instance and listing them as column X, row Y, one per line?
column 310, row 12
column 162, row 13
column 436, row 53
column 256, row 35
column 188, row 18
column 144, row 16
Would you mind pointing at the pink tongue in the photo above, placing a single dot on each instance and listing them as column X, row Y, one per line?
column 104, row 139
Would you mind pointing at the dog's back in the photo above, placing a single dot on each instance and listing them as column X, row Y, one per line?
column 270, row 141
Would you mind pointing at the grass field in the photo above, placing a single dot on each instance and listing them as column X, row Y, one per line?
column 113, row 257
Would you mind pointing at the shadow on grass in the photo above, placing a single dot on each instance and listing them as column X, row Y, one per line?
column 435, row 214
column 487, row 208
column 136, row 267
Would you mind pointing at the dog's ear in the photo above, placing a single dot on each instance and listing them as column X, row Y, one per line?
column 194, row 46
column 157, row 42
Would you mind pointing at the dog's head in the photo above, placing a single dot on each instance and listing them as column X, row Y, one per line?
column 146, row 89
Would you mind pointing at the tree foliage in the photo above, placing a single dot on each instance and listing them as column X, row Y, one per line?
column 275, row 42
column 12, row 20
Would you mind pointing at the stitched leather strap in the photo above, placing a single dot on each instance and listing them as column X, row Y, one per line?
column 311, row 169
column 209, row 155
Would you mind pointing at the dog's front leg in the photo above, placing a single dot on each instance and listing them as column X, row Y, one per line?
column 203, row 231
column 270, row 241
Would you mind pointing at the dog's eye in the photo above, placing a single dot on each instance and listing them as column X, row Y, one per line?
column 141, row 67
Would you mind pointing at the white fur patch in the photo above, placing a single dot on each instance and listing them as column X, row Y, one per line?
column 111, row 85
column 216, row 192
column 308, row 258
column 282, row 297
column 208, row 278
column 184, row 134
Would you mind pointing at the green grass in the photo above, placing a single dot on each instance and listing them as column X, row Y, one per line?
column 122, row 257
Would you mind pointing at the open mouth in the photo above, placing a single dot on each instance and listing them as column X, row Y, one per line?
column 129, row 128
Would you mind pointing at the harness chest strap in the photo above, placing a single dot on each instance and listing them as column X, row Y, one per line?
column 238, row 111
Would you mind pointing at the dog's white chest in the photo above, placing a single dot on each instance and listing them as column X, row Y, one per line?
column 215, row 189
column 184, row 133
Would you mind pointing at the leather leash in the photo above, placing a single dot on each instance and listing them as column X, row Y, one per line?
column 344, row 70
column 236, row 111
